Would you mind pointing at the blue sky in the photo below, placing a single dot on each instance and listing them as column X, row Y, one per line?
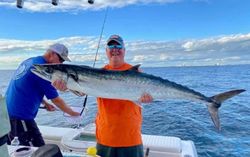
column 156, row 32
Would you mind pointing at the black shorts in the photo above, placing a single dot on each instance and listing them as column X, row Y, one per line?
column 106, row 151
column 28, row 133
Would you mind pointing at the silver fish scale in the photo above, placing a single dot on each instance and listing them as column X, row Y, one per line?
column 131, row 86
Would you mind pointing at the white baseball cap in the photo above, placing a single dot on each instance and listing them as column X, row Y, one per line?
column 61, row 50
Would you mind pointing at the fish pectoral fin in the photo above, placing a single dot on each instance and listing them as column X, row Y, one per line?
column 77, row 93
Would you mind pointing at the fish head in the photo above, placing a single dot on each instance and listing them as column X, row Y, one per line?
column 45, row 71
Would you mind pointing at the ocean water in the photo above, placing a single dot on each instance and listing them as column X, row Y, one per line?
column 184, row 119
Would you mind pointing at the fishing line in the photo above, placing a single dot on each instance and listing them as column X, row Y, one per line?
column 97, row 50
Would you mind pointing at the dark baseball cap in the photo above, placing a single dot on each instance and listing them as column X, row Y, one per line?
column 115, row 38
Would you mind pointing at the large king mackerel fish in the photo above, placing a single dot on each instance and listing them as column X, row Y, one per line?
column 127, row 85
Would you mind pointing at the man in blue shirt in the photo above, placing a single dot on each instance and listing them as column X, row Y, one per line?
column 25, row 94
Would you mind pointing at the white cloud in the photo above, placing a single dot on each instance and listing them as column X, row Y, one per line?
column 76, row 5
column 231, row 43
column 232, row 49
column 139, row 58
column 188, row 45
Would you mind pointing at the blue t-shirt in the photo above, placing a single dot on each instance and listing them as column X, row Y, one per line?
column 26, row 91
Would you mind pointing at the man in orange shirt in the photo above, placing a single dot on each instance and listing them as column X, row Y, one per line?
column 118, row 122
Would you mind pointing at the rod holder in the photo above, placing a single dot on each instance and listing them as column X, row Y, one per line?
column 91, row 1
column 54, row 2
column 19, row 3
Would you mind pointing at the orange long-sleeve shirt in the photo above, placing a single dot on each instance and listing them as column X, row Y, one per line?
column 118, row 122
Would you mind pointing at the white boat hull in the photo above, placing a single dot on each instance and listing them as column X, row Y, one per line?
column 160, row 146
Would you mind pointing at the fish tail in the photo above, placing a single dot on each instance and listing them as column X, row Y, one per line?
column 217, row 101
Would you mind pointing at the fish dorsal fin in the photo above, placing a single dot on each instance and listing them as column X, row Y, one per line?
column 135, row 67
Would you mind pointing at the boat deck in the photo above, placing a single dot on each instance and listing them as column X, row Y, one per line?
column 69, row 140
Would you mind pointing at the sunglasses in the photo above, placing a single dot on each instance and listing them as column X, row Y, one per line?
column 115, row 46
column 60, row 58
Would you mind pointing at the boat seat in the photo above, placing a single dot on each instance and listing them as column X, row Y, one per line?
column 162, row 143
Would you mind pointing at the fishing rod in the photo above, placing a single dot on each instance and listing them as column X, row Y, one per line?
column 97, row 50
